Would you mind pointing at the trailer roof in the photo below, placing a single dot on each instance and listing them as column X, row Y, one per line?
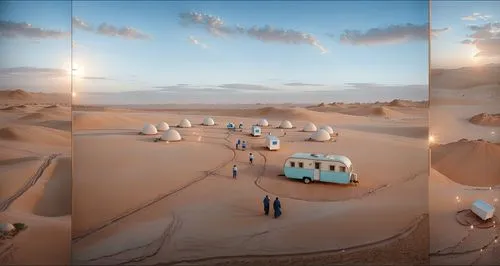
column 324, row 157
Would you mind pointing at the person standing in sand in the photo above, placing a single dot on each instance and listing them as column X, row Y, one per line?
column 243, row 145
column 277, row 208
column 251, row 158
column 235, row 171
column 266, row 202
column 238, row 142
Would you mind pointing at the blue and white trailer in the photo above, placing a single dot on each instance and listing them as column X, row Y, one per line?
column 329, row 168
column 256, row 131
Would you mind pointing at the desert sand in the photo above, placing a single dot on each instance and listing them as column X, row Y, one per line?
column 146, row 202
column 35, row 182
column 464, row 159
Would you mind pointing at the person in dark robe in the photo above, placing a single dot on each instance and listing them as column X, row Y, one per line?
column 266, row 202
column 238, row 142
column 277, row 208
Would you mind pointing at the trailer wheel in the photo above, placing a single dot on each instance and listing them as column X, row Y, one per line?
column 307, row 180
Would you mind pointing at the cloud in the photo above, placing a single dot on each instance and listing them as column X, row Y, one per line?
column 476, row 16
column 488, row 48
column 124, row 32
column 467, row 41
column 106, row 29
column 300, row 84
column 195, row 41
column 486, row 37
column 184, row 88
column 80, row 24
column 389, row 35
column 217, row 27
column 270, row 34
column 96, row 78
column 245, row 87
column 15, row 71
column 10, row 29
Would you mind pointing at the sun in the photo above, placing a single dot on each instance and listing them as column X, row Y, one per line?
column 78, row 70
column 73, row 94
column 474, row 51
column 432, row 139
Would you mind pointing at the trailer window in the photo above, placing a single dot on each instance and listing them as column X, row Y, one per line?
column 301, row 164
column 292, row 164
column 332, row 167
column 275, row 142
column 317, row 165
column 342, row 169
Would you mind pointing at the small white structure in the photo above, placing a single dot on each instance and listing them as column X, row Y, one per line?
column 162, row 126
column 310, row 127
column 185, row 123
column 171, row 135
column 286, row 124
column 256, row 131
column 482, row 209
column 208, row 121
column 263, row 123
column 321, row 135
column 272, row 142
column 6, row 228
column 149, row 129
column 328, row 129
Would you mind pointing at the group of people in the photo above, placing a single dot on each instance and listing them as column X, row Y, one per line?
column 235, row 168
column 276, row 206
column 242, row 143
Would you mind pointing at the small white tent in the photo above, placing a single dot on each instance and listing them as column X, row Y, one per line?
column 171, row 135
column 263, row 123
column 286, row 124
column 328, row 129
column 310, row 127
column 185, row 123
column 321, row 135
column 6, row 228
column 149, row 129
column 208, row 121
column 162, row 126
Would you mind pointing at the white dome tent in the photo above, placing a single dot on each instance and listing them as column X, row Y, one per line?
column 208, row 121
column 321, row 135
column 286, row 124
column 310, row 127
column 328, row 129
column 263, row 123
column 185, row 123
column 171, row 135
column 6, row 228
column 162, row 126
column 149, row 129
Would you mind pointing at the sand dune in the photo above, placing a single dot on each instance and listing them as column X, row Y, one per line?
column 56, row 199
column 472, row 163
column 17, row 94
column 377, row 111
column 22, row 96
column 484, row 119
column 35, row 134
column 102, row 120
column 466, row 77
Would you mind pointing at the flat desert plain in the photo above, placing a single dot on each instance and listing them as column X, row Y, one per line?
column 35, row 177
column 464, row 121
column 137, row 201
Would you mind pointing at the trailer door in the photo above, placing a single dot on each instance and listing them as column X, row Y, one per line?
column 317, row 170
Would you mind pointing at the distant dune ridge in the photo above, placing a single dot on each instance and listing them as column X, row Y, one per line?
column 466, row 77
column 484, row 119
column 20, row 96
column 468, row 162
column 35, row 134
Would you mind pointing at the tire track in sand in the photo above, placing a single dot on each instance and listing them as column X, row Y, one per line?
column 4, row 205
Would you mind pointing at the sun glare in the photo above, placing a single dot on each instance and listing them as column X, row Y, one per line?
column 432, row 139
column 473, row 53
column 73, row 94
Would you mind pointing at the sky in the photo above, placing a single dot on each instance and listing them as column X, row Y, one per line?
column 215, row 52
column 473, row 37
